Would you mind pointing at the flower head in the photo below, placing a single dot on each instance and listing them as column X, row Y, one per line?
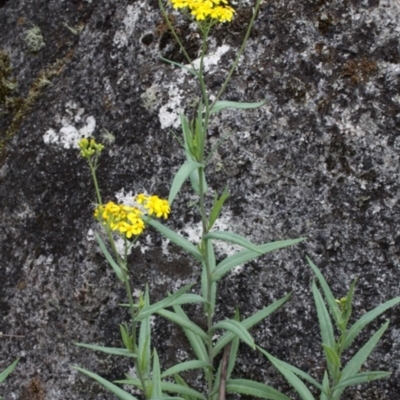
column 201, row 10
column 127, row 220
column 90, row 148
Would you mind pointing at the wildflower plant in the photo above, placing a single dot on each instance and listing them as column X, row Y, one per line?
column 336, row 377
column 129, row 220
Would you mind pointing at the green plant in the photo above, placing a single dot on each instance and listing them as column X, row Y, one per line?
column 336, row 377
column 129, row 220
column 4, row 374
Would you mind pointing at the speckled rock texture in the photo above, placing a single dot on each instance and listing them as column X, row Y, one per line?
column 320, row 159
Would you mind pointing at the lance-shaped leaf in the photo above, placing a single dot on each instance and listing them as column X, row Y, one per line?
column 109, row 350
column 296, row 371
column 183, row 173
column 233, row 238
column 144, row 349
column 183, row 390
column 325, row 384
column 297, row 384
column 366, row 319
column 217, row 207
column 354, row 365
column 121, row 394
column 195, row 341
column 333, row 307
column 184, row 67
column 184, row 366
column 114, row 265
column 222, row 105
column 176, row 238
column 256, row 389
column 188, row 298
column 209, row 307
column 4, row 374
column 237, row 329
column 148, row 310
column 250, row 322
column 248, row 255
column 326, row 329
column 183, row 322
column 156, row 377
column 181, row 382
column 362, row 377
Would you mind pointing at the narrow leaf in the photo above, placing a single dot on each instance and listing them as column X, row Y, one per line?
column 354, row 365
column 297, row 384
column 184, row 366
column 144, row 349
column 326, row 328
column 366, row 319
column 221, row 105
column 4, row 374
column 217, row 207
column 195, row 341
column 325, row 384
column 362, row 377
column 188, row 298
column 296, row 371
column 252, row 388
column 183, row 173
column 209, row 307
column 184, row 390
column 148, row 310
column 331, row 356
column 180, row 381
column 237, row 329
column 248, row 255
column 121, row 394
column 184, row 323
column 108, row 350
column 113, row 264
column 233, row 238
column 325, row 324
column 177, row 239
column 333, row 307
column 188, row 69
column 156, row 376
column 250, row 322
column 232, row 357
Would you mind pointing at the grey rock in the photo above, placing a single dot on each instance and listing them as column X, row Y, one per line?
column 320, row 159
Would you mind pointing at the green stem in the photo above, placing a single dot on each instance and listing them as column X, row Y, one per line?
column 133, row 313
column 94, row 178
column 239, row 54
column 93, row 168
column 175, row 35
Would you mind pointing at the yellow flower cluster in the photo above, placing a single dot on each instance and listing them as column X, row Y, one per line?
column 203, row 9
column 154, row 205
column 89, row 147
column 122, row 218
column 127, row 220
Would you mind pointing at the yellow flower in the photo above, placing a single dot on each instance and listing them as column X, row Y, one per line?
column 158, row 206
column 204, row 9
column 127, row 219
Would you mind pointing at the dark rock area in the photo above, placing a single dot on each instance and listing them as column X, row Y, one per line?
column 320, row 159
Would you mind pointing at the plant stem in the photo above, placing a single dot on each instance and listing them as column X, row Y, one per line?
column 239, row 54
column 132, row 310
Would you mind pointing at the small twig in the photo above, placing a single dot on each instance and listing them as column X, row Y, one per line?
column 224, row 367
column 12, row 336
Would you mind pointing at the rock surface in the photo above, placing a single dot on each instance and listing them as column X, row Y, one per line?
column 320, row 159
